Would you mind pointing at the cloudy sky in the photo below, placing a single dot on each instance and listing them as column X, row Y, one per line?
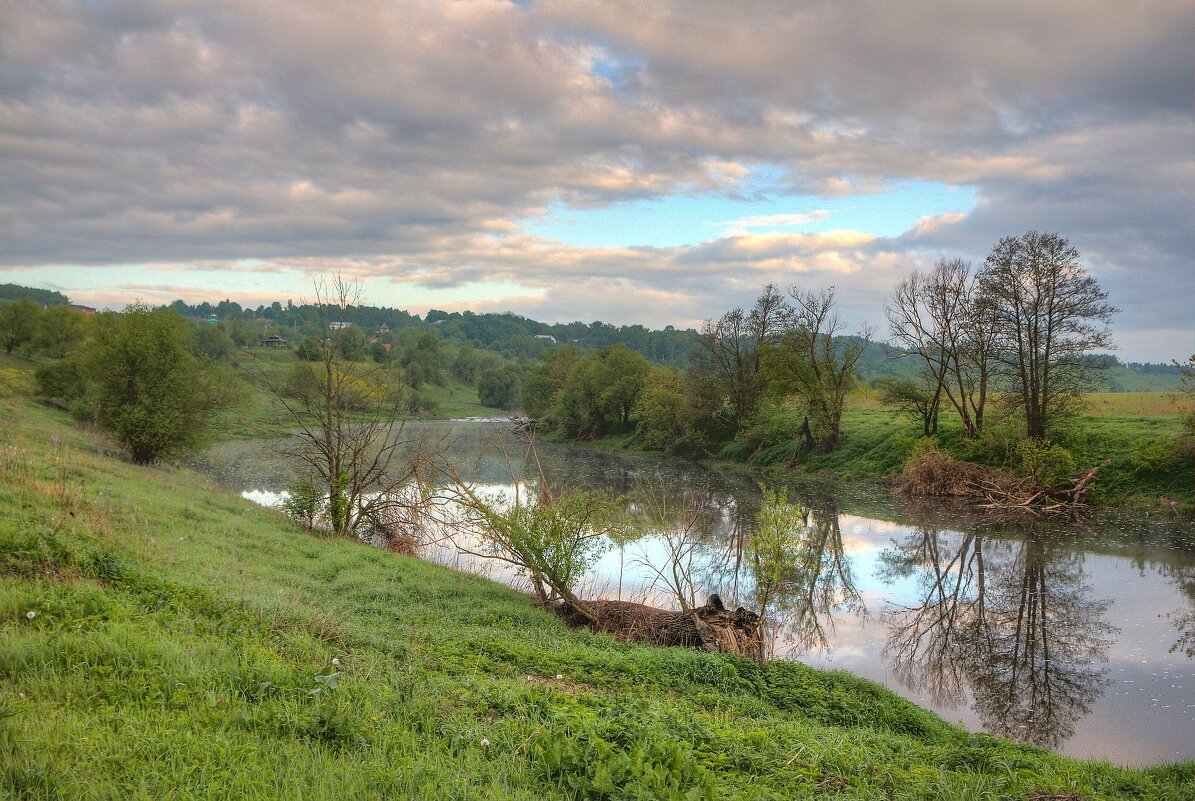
column 626, row 161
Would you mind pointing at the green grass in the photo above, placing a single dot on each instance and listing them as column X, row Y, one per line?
column 183, row 640
column 1113, row 428
column 875, row 442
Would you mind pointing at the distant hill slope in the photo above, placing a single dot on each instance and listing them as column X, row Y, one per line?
column 11, row 292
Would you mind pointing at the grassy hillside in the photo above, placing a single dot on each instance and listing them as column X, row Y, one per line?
column 161, row 638
column 177, row 622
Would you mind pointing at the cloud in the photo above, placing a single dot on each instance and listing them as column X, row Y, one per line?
column 406, row 139
column 744, row 224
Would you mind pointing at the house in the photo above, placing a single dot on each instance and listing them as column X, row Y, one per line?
column 548, row 337
column 337, row 326
column 82, row 309
column 383, row 328
column 213, row 320
column 274, row 341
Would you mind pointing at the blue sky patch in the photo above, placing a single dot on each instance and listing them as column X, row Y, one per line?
column 690, row 219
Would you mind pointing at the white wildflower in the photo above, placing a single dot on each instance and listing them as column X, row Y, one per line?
column 335, row 661
column 30, row 614
column 559, row 676
column 484, row 742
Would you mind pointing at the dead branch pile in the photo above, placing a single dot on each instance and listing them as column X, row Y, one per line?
column 936, row 474
column 712, row 627
column 394, row 532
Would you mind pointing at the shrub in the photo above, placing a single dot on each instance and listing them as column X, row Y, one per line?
column 1047, row 464
column 1155, row 455
column 305, row 502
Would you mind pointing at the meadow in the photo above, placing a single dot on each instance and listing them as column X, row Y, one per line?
column 160, row 637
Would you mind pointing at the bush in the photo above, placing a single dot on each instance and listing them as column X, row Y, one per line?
column 150, row 392
column 310, row 350
column 1155, row 455
column 1047, row 464
column 305, row 502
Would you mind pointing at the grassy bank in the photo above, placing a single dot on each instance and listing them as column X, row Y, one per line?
column 1114, row 428
column 162, row 638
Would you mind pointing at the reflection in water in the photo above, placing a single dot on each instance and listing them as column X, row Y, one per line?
column 1012, row 622
column 1183, row 577
column 821, row 583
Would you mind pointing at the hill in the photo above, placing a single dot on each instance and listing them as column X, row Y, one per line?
column 11, row 292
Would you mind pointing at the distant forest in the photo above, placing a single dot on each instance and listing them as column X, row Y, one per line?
column 519, row 338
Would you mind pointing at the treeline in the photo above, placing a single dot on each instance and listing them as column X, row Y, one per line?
column 776, row 373
column 11, row 292
column 511, row 336
column 1018, row 335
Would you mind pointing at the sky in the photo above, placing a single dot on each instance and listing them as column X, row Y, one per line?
column 653, row 163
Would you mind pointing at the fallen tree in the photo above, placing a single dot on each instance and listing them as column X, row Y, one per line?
column 552, row 539
column 711, row 627
column 933, row 473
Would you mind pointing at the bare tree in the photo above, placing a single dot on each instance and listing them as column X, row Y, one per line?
column 942, row 318
column 1048, row 315
column 729, row 351
column 680, row 524
column 824, row 364
column 350, row 429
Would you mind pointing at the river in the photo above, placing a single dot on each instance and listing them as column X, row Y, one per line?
column 1075, row 638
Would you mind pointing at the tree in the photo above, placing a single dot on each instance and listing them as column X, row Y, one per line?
column 918, row 400
column 212, row 343
column 661, row 409
column 350, row 446
column 816, row 363
column 498, row 388
column 728, row 353
column 147, row 388
column 60, row 330
column 599, row 392
column 545, row 380
column 1048, row 315
column 18, row 323
column 551, row 538
column 465, row 366
column 941, row 316
column 624, row 372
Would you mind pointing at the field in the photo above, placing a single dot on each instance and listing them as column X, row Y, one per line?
column 162, row 638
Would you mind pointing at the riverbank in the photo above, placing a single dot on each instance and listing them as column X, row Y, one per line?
column 876, row 441
column 182, row 640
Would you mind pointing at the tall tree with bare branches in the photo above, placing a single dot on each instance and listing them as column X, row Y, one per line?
column 943, row 319
column 350, row 419
column 815, row 362
column 1049, row 315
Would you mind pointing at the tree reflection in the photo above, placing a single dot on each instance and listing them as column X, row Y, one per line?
column 819, row 584
column 1183, row 577
column 1010, row 621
